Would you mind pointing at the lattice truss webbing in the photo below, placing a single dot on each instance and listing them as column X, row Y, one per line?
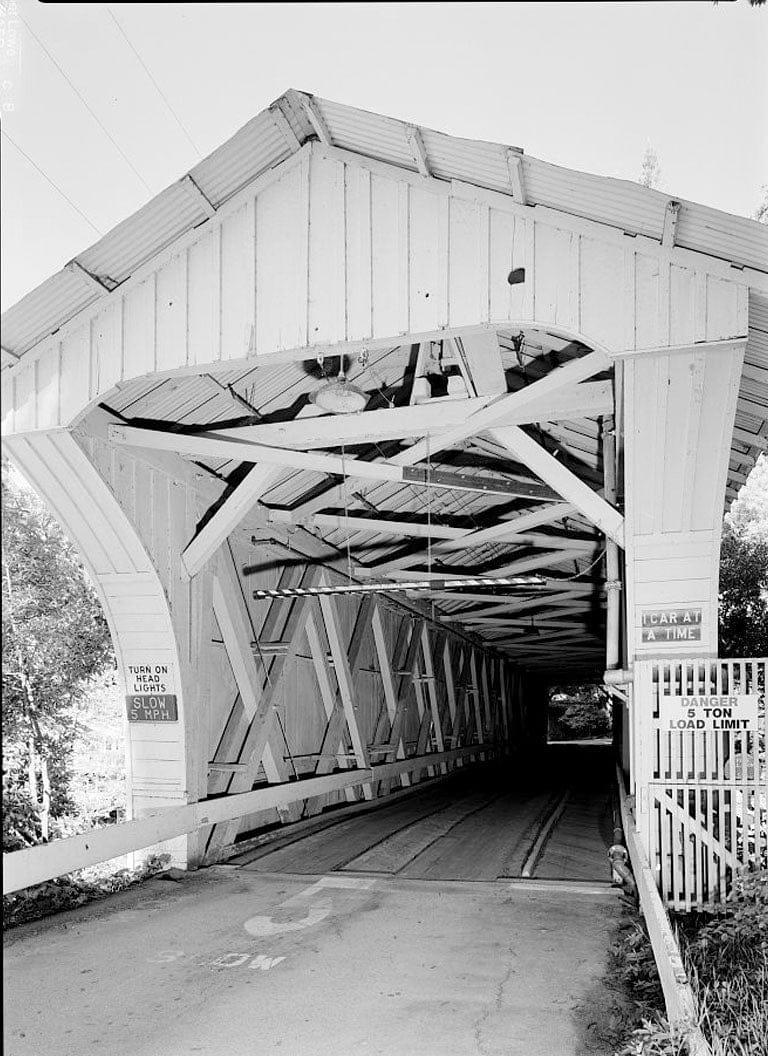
column 702, row 794
column 308, row 686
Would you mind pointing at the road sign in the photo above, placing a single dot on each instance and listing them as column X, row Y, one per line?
column 706, row 714
column 152, row 707
column 667, row 626
column 151, row 696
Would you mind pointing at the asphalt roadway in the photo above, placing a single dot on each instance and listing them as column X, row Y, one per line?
column 402, row 930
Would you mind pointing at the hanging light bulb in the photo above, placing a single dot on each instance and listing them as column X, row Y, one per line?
column 339, row 396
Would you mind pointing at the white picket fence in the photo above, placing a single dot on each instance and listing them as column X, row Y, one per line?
column 701, row 797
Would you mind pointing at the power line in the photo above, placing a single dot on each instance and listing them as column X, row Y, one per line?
column 49, row 180
column 160, row 91
column 87, row 106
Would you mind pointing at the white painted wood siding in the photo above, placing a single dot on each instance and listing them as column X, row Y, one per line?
column 330, row 248
column 679, row 412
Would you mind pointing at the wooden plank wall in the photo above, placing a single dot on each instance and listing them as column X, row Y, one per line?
column 267, row 690
column 330, row 247
column 679, row 414
column 132, row 572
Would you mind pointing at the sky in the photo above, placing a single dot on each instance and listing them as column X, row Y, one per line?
column 111, row 103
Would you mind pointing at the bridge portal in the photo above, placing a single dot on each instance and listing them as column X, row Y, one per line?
column 366, row 434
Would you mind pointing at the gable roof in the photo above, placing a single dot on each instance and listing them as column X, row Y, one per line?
column 280, row 131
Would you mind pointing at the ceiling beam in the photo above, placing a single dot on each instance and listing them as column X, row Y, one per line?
column 482, row 355
column 573, row 490
column 434, row 416
column 213, row 445
column 504, row 406
column 460, row 538
column 227, row 517
column 518, row 524
column 335, row 430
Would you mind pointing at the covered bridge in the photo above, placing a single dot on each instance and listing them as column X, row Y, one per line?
column 367, row 434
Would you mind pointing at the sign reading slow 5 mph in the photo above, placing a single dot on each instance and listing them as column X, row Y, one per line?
column 150, row 695
column 737, row 713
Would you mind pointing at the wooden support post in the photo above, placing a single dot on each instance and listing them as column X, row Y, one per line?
column 475, row 692
column 234, row 622
column 566, row 483
column 319, row 655
column 227, row 517
column 260, row 728
column 344, row 680
column 390, row 697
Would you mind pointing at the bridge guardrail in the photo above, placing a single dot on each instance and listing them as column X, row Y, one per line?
column 33, row 865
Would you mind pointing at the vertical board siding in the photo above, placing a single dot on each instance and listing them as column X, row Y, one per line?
column 281, row 263
column 358, row 252
column 552, row 274
column 327, row 250
column 201, row 320
column 647, row 329
column 602, row 266
column 48, row 371
column 467, row 291
column 682, row 293
column 237, row 278
column 138, row 328
column 679, row 418
column 171, row 312
column 389, row 256
column 427, row 273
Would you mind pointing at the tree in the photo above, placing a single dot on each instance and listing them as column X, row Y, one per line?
column 578, row 712
column 743, row 600
column 54, row 637
column 650, row 173
column 761, row 213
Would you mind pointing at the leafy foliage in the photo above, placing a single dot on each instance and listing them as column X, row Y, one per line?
column 744, row 570
column 727, row 954
column 75, row 890
column 54, row 637
column 578, row 712
column 650, row 173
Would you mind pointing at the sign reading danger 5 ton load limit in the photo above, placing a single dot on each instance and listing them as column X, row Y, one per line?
column 149, row 698
column 736, row 713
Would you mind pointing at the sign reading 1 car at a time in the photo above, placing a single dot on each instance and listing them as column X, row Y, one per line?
column 671, row 625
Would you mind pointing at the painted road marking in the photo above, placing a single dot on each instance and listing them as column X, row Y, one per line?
column 305, row 909
column 234, row 959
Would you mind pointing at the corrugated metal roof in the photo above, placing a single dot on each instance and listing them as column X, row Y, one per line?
column 45, row 309
column 158, row 223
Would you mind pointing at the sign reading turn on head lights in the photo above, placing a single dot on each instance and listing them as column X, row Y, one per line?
column 151, row 696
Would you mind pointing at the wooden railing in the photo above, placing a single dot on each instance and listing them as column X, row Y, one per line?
column 33, row 865
column 702, row 797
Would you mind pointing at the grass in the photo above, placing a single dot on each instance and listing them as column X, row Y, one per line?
column 726, row 956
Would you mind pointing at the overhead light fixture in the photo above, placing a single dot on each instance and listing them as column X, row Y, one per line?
column 388, row 587
column 339, row 396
